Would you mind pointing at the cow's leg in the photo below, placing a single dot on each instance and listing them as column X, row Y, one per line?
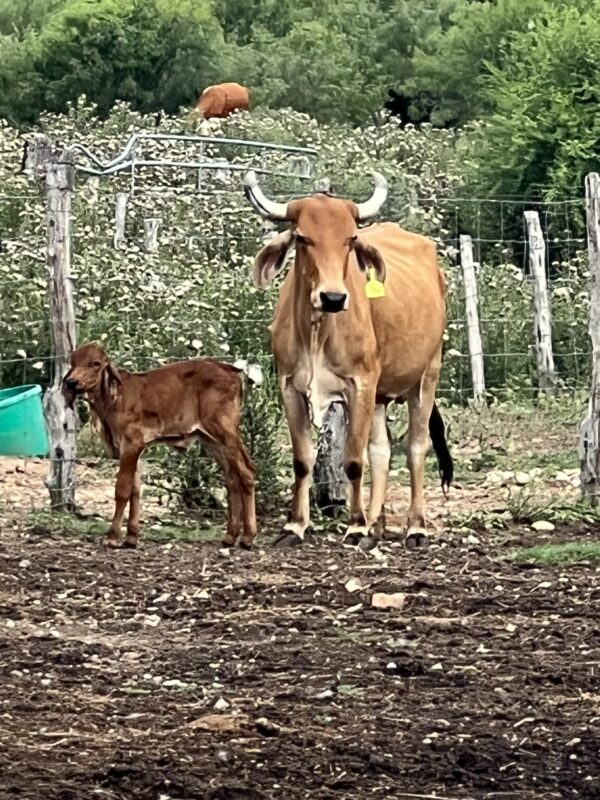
column 361, row 406
column 296, row 412
column 133, row 522
column 125, row 479
column 379, row 463
column 420, row 405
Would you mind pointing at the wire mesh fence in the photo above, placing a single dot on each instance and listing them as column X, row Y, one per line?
column 190, row 293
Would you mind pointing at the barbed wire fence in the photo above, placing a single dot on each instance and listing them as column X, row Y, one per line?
column 517, row 272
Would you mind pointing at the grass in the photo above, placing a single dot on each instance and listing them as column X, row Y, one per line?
column 525, row 506
column 565, row 554
column 169, row 529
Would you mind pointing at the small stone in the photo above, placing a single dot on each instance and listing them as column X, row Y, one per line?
column 543, row 525
column 24, row 564
column 471, row 539
column 437, row 667
column 173, row 683
column 45, row 682
column 511, row 627
column 325, row 695
column 353, row 585
column 267, row 728
column 391, row 665
column 521, row 478
column 221, row 705
column 382, row 600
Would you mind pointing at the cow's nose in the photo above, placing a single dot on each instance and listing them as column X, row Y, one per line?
column 333, row 301
column 70, row 383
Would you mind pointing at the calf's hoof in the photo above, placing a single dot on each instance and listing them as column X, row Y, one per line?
column 111, row 543
column 417, row 538
column 130, row 543
column 287, row 539
column 247, row 546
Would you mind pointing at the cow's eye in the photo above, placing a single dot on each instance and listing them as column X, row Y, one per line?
column 96, row 363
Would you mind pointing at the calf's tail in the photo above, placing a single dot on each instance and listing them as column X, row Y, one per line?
column 437, row 432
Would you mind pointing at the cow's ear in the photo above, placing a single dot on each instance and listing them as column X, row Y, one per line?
column 271, row 259
column 369, row 257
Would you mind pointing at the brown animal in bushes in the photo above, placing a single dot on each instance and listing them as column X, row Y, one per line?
column 223, row 99
column 176, row 405
column 360, row 319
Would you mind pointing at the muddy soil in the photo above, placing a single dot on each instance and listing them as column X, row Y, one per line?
column 179, row 671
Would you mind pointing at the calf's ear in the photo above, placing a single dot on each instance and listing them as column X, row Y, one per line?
column 112, row 381
column 271, row 259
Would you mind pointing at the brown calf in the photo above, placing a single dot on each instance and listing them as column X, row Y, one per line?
column 175, row 405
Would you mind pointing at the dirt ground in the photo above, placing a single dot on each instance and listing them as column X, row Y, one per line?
column 181, row 671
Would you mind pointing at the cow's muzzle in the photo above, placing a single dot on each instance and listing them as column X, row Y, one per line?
column 332, row 302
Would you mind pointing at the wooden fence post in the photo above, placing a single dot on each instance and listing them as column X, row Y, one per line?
column 57, row 170
column 120, row 219
column 541, row 300
column 590, row 429
column 330, row 483
column 472, row 318
column 151, row 229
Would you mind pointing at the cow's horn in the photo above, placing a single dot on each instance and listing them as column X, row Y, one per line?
column 371, row 206
column 265, row 207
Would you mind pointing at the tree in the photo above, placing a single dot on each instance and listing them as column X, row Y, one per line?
column 543, row 135
column 152, row 53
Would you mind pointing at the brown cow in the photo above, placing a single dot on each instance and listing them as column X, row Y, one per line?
column 176, row 405
column 337, row 337
column 223, row 99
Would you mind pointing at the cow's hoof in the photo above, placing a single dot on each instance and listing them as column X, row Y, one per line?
column 287, row 539
column 129, row 544
column 417, row 538
column 245, row 546
column 355, row 536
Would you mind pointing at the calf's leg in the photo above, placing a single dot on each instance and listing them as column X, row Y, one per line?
column 234, row 497
column 125, row 479
column 133, row 522
column 230, row 453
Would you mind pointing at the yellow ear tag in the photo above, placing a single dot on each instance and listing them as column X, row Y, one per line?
column 374, row 287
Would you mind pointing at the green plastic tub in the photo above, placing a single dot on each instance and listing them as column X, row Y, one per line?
column 22, row 426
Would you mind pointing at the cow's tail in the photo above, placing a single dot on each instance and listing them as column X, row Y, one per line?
column 437, row 432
